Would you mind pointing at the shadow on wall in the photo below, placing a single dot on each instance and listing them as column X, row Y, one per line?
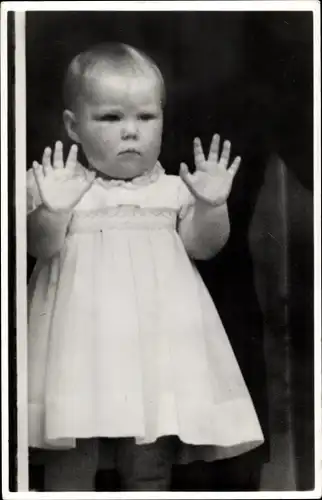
column 276, row 232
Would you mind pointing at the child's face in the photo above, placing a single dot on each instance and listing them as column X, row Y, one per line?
column 119, row 124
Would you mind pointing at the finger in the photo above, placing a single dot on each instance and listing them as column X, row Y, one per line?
column 214, row 149
column 72, row 157
column 58, row 156
column 187, row 178
column 233, row 169
column 38, row 173
column 37, row 168
column 46, row 161
column 185, row 174
column 224, row 159
column 87, row 177
column 90, row 177
column 198, row 153
column 87, row 186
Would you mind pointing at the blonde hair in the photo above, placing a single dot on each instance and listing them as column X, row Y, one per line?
column 119, row 57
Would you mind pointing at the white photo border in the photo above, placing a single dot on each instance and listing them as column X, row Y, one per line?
column 19, row 9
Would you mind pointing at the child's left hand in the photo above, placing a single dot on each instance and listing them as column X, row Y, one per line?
column 212, row 180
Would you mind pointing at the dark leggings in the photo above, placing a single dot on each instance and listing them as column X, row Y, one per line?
column 140, row 467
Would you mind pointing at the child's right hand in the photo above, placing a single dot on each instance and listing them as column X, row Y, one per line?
column 60, row 186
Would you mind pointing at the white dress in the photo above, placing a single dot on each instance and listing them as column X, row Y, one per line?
column 124, row 338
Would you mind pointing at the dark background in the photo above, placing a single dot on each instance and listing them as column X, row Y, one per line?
column 248, row 76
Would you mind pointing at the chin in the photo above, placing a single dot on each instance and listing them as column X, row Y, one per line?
column 124, row 171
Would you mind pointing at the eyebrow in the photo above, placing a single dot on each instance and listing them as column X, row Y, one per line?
column 111, row 109
column 150, row 108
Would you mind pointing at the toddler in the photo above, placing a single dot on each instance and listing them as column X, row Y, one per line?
column 126, row 347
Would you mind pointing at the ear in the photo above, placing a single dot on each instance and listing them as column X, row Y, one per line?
column 70, row 123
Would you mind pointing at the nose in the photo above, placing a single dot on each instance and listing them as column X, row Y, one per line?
column 130, row 129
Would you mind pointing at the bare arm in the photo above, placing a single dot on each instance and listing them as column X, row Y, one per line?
column 46, row 232
column 205, row 230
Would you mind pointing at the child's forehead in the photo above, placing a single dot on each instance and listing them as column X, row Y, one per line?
column 106, row 84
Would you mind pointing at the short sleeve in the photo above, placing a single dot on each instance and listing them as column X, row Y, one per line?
column 185, row 199
column 33, row 196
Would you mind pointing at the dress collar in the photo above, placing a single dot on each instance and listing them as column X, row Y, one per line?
column 147, row 178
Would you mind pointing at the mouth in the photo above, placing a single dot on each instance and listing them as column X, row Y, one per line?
column 129, row 151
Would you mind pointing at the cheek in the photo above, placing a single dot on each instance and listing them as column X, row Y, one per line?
column 155, row 133
column 96, row 137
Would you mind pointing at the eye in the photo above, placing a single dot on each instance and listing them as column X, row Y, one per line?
column 146, row 116
column 109, row 117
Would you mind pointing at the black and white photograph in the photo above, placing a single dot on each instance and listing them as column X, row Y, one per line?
column 161, row 185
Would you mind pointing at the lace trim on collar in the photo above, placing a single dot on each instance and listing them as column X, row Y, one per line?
column 143, row 180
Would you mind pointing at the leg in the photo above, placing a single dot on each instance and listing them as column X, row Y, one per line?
column 72, row 470
column 195, row 476
column 146, row 467
column 107, row 480
column 107, row 477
